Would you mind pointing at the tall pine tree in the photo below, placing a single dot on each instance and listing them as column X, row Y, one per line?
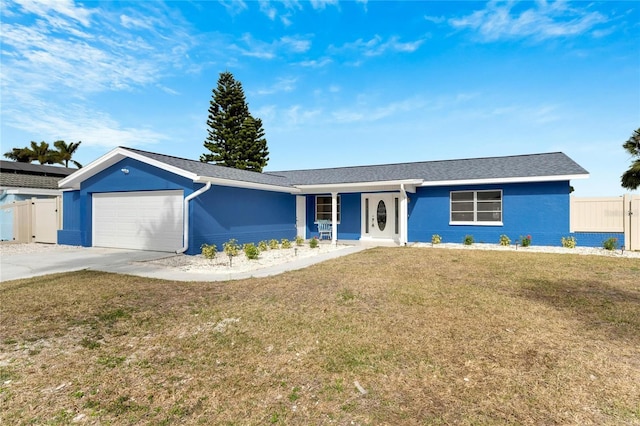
column 236, row 139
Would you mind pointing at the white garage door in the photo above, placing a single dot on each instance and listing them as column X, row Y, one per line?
column 144, row 220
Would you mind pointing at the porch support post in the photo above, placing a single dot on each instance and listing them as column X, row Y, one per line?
column 334, row 218
column 404, row 216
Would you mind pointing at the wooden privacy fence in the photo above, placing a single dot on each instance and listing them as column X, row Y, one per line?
column 36, row 220
column 608, row 215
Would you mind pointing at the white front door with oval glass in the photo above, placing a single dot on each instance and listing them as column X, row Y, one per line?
column 380, row 216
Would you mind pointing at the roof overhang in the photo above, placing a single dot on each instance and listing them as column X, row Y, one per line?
column 74, row 180
column 487, row 181
column 388, row 185
column 31, row 191
column 247, row 185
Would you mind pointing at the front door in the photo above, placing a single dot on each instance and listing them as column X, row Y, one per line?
column 380, row 216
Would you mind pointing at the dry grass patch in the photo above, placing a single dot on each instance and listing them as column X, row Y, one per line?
column 385, row 336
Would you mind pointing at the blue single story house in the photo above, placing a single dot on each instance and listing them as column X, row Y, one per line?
column 136, row 199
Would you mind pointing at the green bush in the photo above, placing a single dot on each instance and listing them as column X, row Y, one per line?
column 526, row 241
column 504, row 240
column 313, row 243
column 436, row 239
column 274, row 245
column 610, row 243
column 208, row 251
column 263, row 246
column 285, row 244
column 568, row 242
column 251, row 251
column 231, row 247
column 299, row 240
column 468, row 240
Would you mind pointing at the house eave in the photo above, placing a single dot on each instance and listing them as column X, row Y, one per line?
column 246, row 185
column 32, row 191
column 487, row 181
column 389, row 185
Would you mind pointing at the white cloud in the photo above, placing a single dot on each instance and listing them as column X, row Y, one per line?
column 75, row 122
column 295, row 44
column 264, row 50
column 50, row 9
column 316, row 63
column 322, row 4
column 376, row 46
column 434, row 19
column 234, row 7
column 296, row 116
column 50, row 61
column 367, row 113
column 282, row 85
column 541, row 21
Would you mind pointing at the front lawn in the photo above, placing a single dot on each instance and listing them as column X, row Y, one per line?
column 385, row 336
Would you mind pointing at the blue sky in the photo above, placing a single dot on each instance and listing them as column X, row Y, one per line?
column 335, row 83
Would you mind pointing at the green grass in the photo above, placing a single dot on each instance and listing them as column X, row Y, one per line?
column 433, row 336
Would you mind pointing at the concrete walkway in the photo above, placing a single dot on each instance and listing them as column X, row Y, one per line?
column 132, row 262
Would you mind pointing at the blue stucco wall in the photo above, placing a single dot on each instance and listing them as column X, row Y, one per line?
column 248, row 215
column 215, row 216
column 537, row 209
column 596, row 239
column 350, row 216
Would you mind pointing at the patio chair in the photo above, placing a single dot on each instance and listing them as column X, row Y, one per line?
column 324, row 229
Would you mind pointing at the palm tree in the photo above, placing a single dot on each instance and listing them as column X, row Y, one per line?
column 21, row 155
column 631, row 178
column 66, row 151
column 43, row 154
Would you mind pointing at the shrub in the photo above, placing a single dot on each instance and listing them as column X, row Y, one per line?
column 263, row 246
column 299, row 240
column 610, row 243
column 504, row 240
column 313, row 243
column 208, row 251
column 274, row 245
column 526, row 241
column 231, row 247
column 568, row 242
column 285, row 244
column 251, row 251
column 436, row 239
column 468, row 240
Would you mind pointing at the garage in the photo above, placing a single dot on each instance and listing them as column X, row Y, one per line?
column 139, row 220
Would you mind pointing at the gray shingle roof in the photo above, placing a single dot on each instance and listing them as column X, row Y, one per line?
column 213, row 171
column 27, row 175
column 519, row 166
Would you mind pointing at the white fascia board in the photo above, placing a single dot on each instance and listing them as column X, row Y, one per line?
column 388, row 185
column 246, row 185
column 33, row 191
column 505, row 180
column 74, row 180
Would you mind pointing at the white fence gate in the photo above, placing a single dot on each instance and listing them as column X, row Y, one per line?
column 36, row 220
column 608, row 214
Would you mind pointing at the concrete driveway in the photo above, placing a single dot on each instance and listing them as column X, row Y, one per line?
column 43, row 261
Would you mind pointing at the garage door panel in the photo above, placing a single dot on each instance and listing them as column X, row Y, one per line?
column 143, row 220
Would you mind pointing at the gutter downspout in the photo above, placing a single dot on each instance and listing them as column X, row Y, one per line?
column 185, row 219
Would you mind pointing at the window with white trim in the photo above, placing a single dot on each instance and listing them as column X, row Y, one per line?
column 323, row 207
column 476, row 207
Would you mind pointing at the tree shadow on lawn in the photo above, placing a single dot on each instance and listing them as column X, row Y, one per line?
column 610, row 310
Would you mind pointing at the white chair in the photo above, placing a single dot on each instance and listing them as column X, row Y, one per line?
column 324, row 229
